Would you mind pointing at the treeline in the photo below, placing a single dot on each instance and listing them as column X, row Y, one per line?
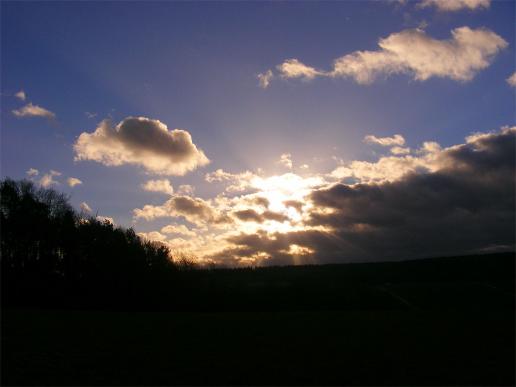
column 53, row 256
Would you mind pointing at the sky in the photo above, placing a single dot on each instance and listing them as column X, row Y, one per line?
column 263, row 133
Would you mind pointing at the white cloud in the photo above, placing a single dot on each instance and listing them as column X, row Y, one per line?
column 397, row 139
column 286, row 160
column 455, row 5
column 47, row 180
column 32, row 172
column 21, row 95
column 85, row 207
column 398, row 150
column 73, row 181
column 239, row 182
column 414, row 53
column 264, row 79
column 31, row 110
column 153, row 236
column 293, row 68
column 144, row 142
column 512, row 79
column 179, row 229
column 104, row 219
column 186, row 190
column 162, row 186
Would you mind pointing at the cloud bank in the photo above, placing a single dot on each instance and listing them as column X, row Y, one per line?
column 141, row 141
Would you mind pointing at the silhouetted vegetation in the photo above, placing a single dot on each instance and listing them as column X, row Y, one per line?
column 52, row 256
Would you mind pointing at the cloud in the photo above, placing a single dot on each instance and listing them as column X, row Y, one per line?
column 398, row 150
column 47, row 179
column 286, row 160
column 31, row 110
column 238, row 182
column 264, row 79
column 73, row 181
column 461, row 200
column 414, row 53
column 251, row 215
column 152, row 236
column 105, row 219
column 186, row 190
column 21, row 95
column 144, row 142
column 32, row 172
column 512, row 80
column 85, row 207
column 194, row 210
column 179, row 229
column 465, row 205
column 293, row 68
column 90, row 115
column 162, row 186
column 397, row 139
column 455, row 5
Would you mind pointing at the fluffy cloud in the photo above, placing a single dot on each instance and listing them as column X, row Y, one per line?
column 141, row 141
column 264, row 79
column 162, row 186
column 398, row 150
column 194, row 210
column 21, row 95
column 512, row 80
column 179, row 229
column 31, row 110
column 47, row 179
column 412, row 52
column 73, row 181
column 397, row 139
column 105, row 219
column 238, row 182
column 293, row 68
column 85, row 207
column 455, row 5
column 32, row 172
column 286, row 160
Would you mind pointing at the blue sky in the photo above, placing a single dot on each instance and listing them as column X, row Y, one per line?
column 194, row 66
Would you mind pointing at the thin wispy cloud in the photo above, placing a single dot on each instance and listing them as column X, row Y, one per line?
column 31, row 110
column 397, row 139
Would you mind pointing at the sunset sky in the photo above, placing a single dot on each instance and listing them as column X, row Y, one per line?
column 271, row 132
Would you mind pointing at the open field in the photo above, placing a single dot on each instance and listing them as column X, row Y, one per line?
column 299, row 348
column 431, row 322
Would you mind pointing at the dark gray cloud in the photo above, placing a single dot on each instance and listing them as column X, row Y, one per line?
column 466, row 205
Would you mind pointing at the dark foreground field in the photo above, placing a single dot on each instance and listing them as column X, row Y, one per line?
column 422, row 323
